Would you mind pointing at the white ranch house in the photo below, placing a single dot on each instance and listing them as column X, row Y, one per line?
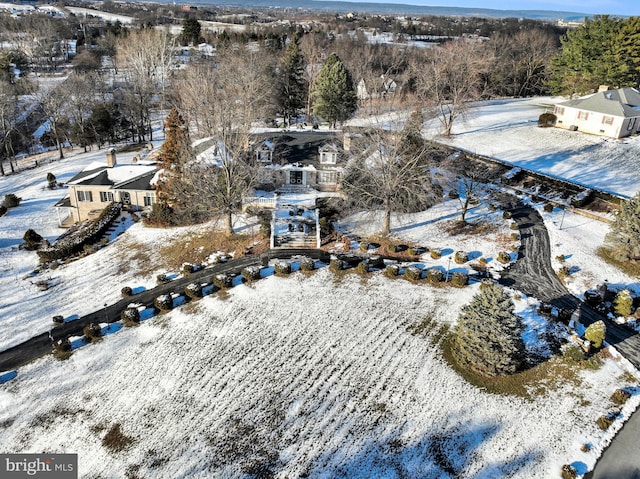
column 612, row 113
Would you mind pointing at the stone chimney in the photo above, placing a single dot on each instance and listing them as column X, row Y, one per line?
column 111, row 158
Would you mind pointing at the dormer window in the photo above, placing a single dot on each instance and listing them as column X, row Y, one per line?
column 264, row 155
column 328, row 157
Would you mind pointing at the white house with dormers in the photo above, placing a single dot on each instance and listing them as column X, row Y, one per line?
column 611, row 113
column 297, row 160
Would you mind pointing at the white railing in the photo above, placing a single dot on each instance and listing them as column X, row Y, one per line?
column 259, row 201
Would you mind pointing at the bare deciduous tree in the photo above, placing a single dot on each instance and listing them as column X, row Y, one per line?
column 449, row 78
column 391, row 171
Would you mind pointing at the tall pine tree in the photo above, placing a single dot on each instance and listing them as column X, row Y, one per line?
column 292, row 87
column 487, row 337
column 623, row 239
column 334, row 94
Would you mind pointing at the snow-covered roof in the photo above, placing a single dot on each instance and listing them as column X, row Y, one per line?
column 621, row 102
column 97, row 173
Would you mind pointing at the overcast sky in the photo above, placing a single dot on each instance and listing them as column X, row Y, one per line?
column 612, row 7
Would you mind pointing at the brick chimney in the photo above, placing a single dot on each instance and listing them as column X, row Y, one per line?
column 111, row 158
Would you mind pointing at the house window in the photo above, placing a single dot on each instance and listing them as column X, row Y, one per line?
column 328, row 157
column 295, row 177
column 85, row 196
column 559, row 110
column 106, row 196
column 583, row 115
column 263, row 156
column 149, row 200
column 632, row 122
column 607, row 120
column 327, row 177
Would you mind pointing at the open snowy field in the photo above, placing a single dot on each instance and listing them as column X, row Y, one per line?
column 306, row 376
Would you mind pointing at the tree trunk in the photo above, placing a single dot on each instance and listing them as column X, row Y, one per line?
column 228, row 223
column 465, row 208
column 386, row 224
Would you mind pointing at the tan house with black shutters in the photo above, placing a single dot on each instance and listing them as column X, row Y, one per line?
column 612, row 113
column 100, row 184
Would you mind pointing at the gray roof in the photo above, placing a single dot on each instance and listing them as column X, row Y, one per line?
column 621, row 102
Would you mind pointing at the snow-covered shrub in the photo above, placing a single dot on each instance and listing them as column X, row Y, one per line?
column 435, row 275
column 413, row 273
column 251, row 273
column 364, row 246
column 11, row 200
column 92, row 332
column 504, row 257
column 581, row 198
column 623, row 303
column 376, row 262
column 130, row 316
column 162, row 278
column 620, row 396
column 392, row 270
column 547, row 208
column 506, row 215
column 307, row 264
column 569, row 472
column 435, row 253
column 126, row 291
column 459, row 279
column 193, row 290
column 336, row 265
column 564, row 272
column 514, row 236
column 545, row 309
column 363, row 267
column 282, row 268
column 58, row 319
column 164, row 302
column 86, row 233
column 513, row 226
column 595, row 334
column 560, row 258
column 223, row 281
column 461, row 257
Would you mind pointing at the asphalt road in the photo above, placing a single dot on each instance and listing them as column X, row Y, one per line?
column 533, row 275
column 41, row 344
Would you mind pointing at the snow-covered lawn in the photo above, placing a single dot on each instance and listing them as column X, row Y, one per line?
column 313, row 374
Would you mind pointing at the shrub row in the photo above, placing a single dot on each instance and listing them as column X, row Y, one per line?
column 74, row 242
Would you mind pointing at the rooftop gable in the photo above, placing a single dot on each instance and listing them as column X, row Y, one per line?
column 621, row 102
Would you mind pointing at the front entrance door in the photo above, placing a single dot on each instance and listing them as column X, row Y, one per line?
column 295, row 177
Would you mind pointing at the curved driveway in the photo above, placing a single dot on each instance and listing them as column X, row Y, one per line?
column 533, row 275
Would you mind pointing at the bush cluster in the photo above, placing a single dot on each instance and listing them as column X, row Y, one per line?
column 605, row 421
column 62, row 348
column 504, row 257
column 282, row 268
column 189, row 268
column 86, row 234
column 506, row 215
column 392, row 270
column 251, row 273
column 307, row 264
column 223, row 281
column 461, row 257
column 126, row 291
column 435, row 254
column 130, row 316
column 547, row 208
column 164, row 302
column 336, row 265
column 92, row 332
column 547, row 119
column 364, row 246
column 376, row 262
column 32, row 240
column 58, row 319
column 193, row 290
column 413, row 273
column 459, row 279
column 363, row 267
column 162, row 278
column 569, row 472
column 435, row 275
column 513, row 226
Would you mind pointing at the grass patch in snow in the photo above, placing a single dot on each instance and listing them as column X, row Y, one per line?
column 195, row 248
column 115, row 440
column 429, row 328
column 629, row 267
column 532, row 382
column 458, row 227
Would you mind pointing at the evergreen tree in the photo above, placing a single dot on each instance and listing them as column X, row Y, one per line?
column 589, row 57
column 334, row 94
column 176, row 151
column 629, row 50
column 487, row 337
column 292, row 86
column 624, row 236
column 191, row 31
column 623, row 303
column 596, row 333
